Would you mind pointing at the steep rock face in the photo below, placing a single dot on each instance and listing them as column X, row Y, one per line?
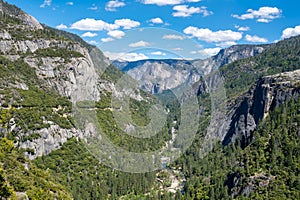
column 226, row 56
column 16, row 12
column 234, row 53
column 76, row 77
column 251, row 108
column 272, row 91
column 69, row 66
column 51, row 139
column 158, row 75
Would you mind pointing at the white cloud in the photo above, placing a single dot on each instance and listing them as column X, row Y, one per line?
column 109, row 39
column 61, row 26
column 70, row 3
column 209, row 51
column 290, row 32
column 89, row 34
column 158, row 53
column 242, row 28
column 207, row 35
column 93, row 42
column 193, row 52
column 125, row 56
column 116, row 34
column 162, row 2
column 226, row 44
column 156, row 20
column 112, row 5
column 139, row 44
column 127, row 23
column 263, row 14
column 167, row 2
column 255, row 38
column 185, row 11
column 90, row 24
column 46, row 3
column 173, row 37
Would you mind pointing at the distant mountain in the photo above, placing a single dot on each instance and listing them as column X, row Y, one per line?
column 156, row 76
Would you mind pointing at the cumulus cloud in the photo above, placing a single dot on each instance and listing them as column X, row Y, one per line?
column 263, row 14
column 112, row 5
column 127, row 23
column 185, row 11
column 109, row 39
column 90, row 24
column 139, row 44
column 156, row 20
column 116, row 34
column 255, row 38
column 46, row 3
column 173, row 37
column 70, row 3
column 158, row 53
column 167, row 2
column 242, row 28
column 226, row 44
column 125, row 56
column 162, row 2
column 208, row 35
column 93, row 42
column 89, row 34
column 290, row 32
column 209, row 51
column 61, row 26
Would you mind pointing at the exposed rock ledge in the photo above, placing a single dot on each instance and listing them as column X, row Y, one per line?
column 252, row 107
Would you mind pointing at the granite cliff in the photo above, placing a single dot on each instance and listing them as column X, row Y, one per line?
column 248, row 110
column 62, row 63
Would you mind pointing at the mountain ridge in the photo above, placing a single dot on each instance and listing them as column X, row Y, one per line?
column 190, row 70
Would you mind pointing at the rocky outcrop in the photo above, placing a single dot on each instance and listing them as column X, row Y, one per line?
column 16, row 12
column 249, row 109
column 50, row 139
column 234, row 53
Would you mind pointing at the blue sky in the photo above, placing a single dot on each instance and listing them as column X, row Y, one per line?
column 141, row 29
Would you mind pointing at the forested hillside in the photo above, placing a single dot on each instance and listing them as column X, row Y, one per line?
column 279, row 57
